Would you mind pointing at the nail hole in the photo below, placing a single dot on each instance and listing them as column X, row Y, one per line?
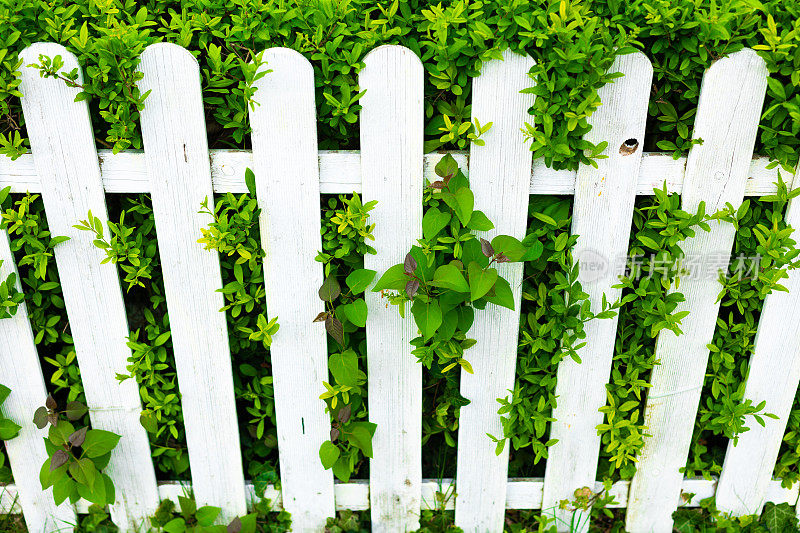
column 629, row 146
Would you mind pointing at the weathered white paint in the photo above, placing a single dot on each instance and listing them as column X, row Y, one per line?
column 20, row 371
column 602, row 215
column 522, row 493
column 500, row 181
column 391, row 164
column 287, row 183
column 174, row 134
column 728, row 112
column 773, row 377
column 61, row 138
column 340, row 173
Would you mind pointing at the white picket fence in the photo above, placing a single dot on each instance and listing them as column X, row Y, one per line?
column 179, row 171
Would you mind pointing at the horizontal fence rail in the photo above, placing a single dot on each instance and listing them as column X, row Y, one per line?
column 340, row 173
column 521, row 493
column 179, row 171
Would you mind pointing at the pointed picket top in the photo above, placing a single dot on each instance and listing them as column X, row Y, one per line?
column 176, row 150
column 287, row 187
column 62, row 142
column 391, row 165
column 728, row 113
column 602, row 214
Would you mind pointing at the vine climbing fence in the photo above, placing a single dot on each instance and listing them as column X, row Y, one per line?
column 179, row 171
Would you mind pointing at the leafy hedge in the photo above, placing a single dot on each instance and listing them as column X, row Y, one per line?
column 573, row 43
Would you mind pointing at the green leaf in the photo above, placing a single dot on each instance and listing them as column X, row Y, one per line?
column 8, row 429
column 428, row 317
column 4, row 392
column 360, row 434
column 502, row 294
column 359, row 280
column 176, row 525
column 59, row 435
column 509, row 246
column 84, row 472
column 446, row 166
column 356, row 312
column 250, row 181
column 464, row 204
column 328, row 454
column 98, row 442
column 433, row 222
column 480, row 281
column 480, row 222
column 394, row 279
column 206, row 515
column 330, row 289
column 344, row 368
column 450, row 277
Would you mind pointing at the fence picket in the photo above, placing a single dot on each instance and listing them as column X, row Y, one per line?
column 391, row 167
column 728, row 112
column 287, row 182
column 773, row 377
column 20, row 371
column 602, row 215
column 66, row 160
column 174, row 134
column 500, row 180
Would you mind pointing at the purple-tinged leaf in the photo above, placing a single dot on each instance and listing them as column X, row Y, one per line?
column 58, row 459
column 486, row 248
column 50, row 402
column 77, row 438
column 412, row 287
column 40, row 417
column 410, row 264
column 335, row 329
column 344, row 414
column 236, row 524
column 75, row 410
column 334, row 434
column 330, row 289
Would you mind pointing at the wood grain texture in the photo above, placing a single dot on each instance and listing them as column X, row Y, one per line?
column 20, row 371
column 602, row 215
column 287, row 186
column 500, row 181
column 340, row 173
column 728, row 112
column 62, row 142
column 391, row 164
column 773, row 377
column 174, row 134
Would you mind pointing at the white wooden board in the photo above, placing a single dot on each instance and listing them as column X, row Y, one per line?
column 64, row 153
column 728, row 112
column 773, row 378
column 174, row 134
column 391, row 164
column 287, row 183
column 602, row 215
column 500, row 181
column 340, row 173
column 20, row 371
